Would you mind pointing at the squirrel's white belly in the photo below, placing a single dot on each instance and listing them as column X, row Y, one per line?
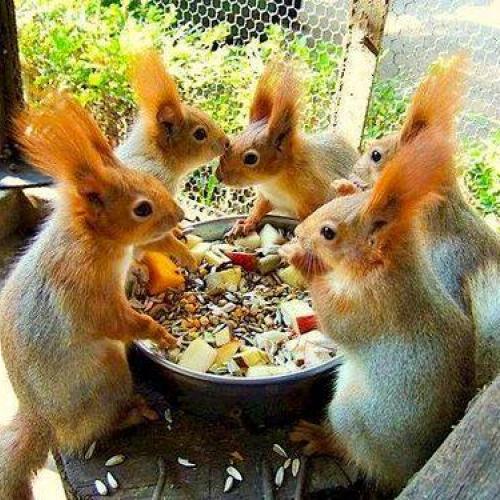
column 283, row 203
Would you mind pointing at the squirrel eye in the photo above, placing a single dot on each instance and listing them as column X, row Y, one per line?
column 143, row 209
column 376, row 155
column 328, row 233
column 200, row 134
column 251, row 158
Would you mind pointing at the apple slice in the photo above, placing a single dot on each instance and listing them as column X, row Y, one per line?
column 249, row 242
column 222, row 337
column 199, row 356
column 223, row 281
column 299, row 315
column 268, row 264
column 226, row 352
column 192, row 240
column 270, row 236
column 199, row 251
column 251, row 357
column 215, row 257
column 291, row 276
column 248, row 261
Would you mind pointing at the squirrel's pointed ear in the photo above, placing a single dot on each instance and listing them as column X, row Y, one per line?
column 418, row 175
column 262, row 103
column 285, row 115
column 438, row 98
column 156, row 90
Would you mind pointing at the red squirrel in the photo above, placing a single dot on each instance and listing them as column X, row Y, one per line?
column 291, row 171
column 408, row 349
column 65, row 320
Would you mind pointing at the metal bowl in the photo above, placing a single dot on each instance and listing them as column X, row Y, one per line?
column 256, row 401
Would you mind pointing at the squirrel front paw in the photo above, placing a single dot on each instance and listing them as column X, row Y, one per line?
column 242, row 227
column 319, row 440
column 344, row 187
column 161, row 336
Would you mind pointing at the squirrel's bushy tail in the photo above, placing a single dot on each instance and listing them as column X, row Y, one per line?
column 24, row 445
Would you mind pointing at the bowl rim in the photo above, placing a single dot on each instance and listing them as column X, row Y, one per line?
column 243, row 381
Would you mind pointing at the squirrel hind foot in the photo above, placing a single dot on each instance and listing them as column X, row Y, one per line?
column 319, row 440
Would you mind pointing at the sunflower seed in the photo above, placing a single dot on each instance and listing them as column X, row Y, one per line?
column 228, row 484
column 234, row 472
column 115, row 460
column 295, row 466
column 287, row 463
column 279, row 450
column 185, row 462
column 90, row 451
column 280, row 476
column 168, row 416
column 101, row 487
column 113, row 483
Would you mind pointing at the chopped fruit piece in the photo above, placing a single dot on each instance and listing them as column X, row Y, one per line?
column 222, row 337
column 209, row 337
column 271, row 337
column 313, row 337
column 251, row 357
column 314, row 355
column 250, row 242
column 226, row 352
column 215, row 257
column 266, row 371
column 163, row 273
column 199, row 251
column 268, row 264
column 198, row 356
column 248, row 261
column 270, row 236
column 192, row 240
column 223, row 247
column 292, row 277
column 223, row 281
column 298, row 315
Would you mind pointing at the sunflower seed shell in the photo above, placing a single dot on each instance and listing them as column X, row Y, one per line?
column 101, row 487
column 185, row 462
column 115, row 460
column 280, row 476
column 90, row 451
column 234, row 472
column 228, row 484
column 295, row 466
column 113, row 483
column 279, row 450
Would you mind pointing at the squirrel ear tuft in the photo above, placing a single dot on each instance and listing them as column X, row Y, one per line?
column 156, row 90
column 63, row 140
column 438, row 98
column 418, row 175
column 263, row 100
column 285, row 115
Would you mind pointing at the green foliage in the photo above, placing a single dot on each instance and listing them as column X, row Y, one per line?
column 84, row 46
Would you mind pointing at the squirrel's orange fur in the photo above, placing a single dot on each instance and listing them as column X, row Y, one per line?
column 408, row 368
column 291, row 171
column 65, row 319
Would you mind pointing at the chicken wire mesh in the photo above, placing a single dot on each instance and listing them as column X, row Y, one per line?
column 311, row 32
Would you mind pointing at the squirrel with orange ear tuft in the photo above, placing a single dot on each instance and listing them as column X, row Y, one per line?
column 169, row 139
column 408, row 350
column 65, row 318
column 291, row 171
column 463, row 251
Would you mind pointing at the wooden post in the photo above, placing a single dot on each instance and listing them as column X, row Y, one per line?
column 361, row 51
column 11, row 96
column 467, row 464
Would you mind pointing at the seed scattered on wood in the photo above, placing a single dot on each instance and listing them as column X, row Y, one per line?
column 115, row 460
column 280, row 476
column 113, row 483
column 90, row 452
column 228, row 484
column 101, row 487
column 279, row 450
column 295, row 466
column 287, row 463
column 185, row 462
column 168, row 416
column 234, row 472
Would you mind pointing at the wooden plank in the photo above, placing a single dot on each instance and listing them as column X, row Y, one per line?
column 10, row 82
column 467, row 464
column 361, row 51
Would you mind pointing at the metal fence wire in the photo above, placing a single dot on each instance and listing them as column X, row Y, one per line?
column 236, row 37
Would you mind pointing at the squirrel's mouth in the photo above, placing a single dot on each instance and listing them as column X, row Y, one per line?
column 305, row 260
